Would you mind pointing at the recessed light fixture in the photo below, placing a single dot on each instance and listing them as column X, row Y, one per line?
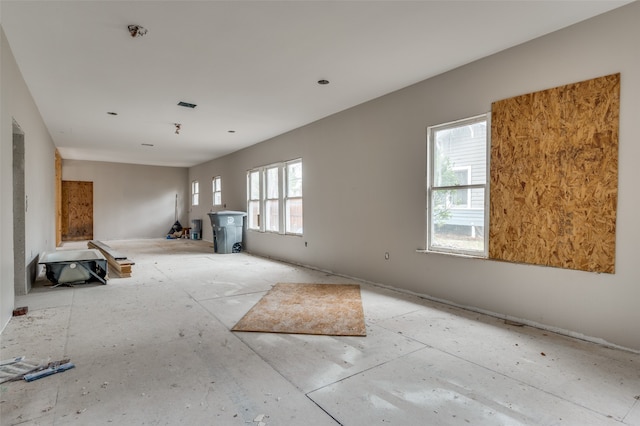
column 323, row 82
column 112, row 113
column 231, row 131
column 186, row 104
column 146, row 144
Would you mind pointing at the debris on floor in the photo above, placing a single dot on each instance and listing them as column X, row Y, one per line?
column 20, row 368
column 16, row 368
column 513, row 323
column 259, row 419
column 20, row 311
column 49, row 371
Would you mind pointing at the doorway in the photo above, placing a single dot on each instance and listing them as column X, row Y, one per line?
column 77, row 210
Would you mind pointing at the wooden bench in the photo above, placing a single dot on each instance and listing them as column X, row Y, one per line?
column 120, row 265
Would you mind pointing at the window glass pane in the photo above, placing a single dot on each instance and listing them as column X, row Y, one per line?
column 294, row 215
column 253, row 216
column 254, row 181
column 272, row 216
column 457, row 149
column 457, row 229
column 294, row 179
column 194, row 193
column 272, row 183
column 217, row 194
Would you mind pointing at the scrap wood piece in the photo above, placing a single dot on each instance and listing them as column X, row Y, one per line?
column 114, row 269
column 120, row 268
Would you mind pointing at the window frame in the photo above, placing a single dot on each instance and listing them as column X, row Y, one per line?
column 431, row 187
column 288, row 197
column 282, row 200
column 216, row 189
column 195, row 193
column 254, row 199
column 277, row 200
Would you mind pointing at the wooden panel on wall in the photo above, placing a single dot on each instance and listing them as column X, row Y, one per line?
column 554, row 176
column 58, row 166
column 77, row 210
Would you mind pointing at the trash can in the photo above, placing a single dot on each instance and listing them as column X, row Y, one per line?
column 196, row 229
column 227, row 230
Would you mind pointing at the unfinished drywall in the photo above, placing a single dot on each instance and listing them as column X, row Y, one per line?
column 554, row 176
column 39, row 224
column 365, row 193
column 131, row 201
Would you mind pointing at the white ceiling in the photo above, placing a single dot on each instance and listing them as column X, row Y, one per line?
column 250, row 66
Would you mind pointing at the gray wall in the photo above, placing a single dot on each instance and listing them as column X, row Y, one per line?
column 364, row 187
column 39, row 186
column 132, row 201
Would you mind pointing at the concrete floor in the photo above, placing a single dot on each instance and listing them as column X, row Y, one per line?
column 155, row 349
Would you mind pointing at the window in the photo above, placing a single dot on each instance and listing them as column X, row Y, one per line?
column 293, row 200
column 195, row 193
column 253, row 203
column 457, row 187
column 216, row 184
column 272, row 199
column 274, row 193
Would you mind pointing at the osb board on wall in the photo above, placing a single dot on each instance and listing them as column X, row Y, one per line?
column 554, row 176
column 77, row 210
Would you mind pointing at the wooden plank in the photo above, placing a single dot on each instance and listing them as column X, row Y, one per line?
column 119, row 265
column 554, row 176
column 104, row 248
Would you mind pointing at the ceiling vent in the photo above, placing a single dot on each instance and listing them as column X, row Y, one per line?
column 186, row 104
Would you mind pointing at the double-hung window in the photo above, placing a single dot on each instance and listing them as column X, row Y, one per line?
column 293, row 198
column 457, row 196
column 254, row 197
column 274, row 198
column 216, row 184
column 195, row 193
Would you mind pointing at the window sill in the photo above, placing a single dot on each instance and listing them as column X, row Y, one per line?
column 445, row 253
